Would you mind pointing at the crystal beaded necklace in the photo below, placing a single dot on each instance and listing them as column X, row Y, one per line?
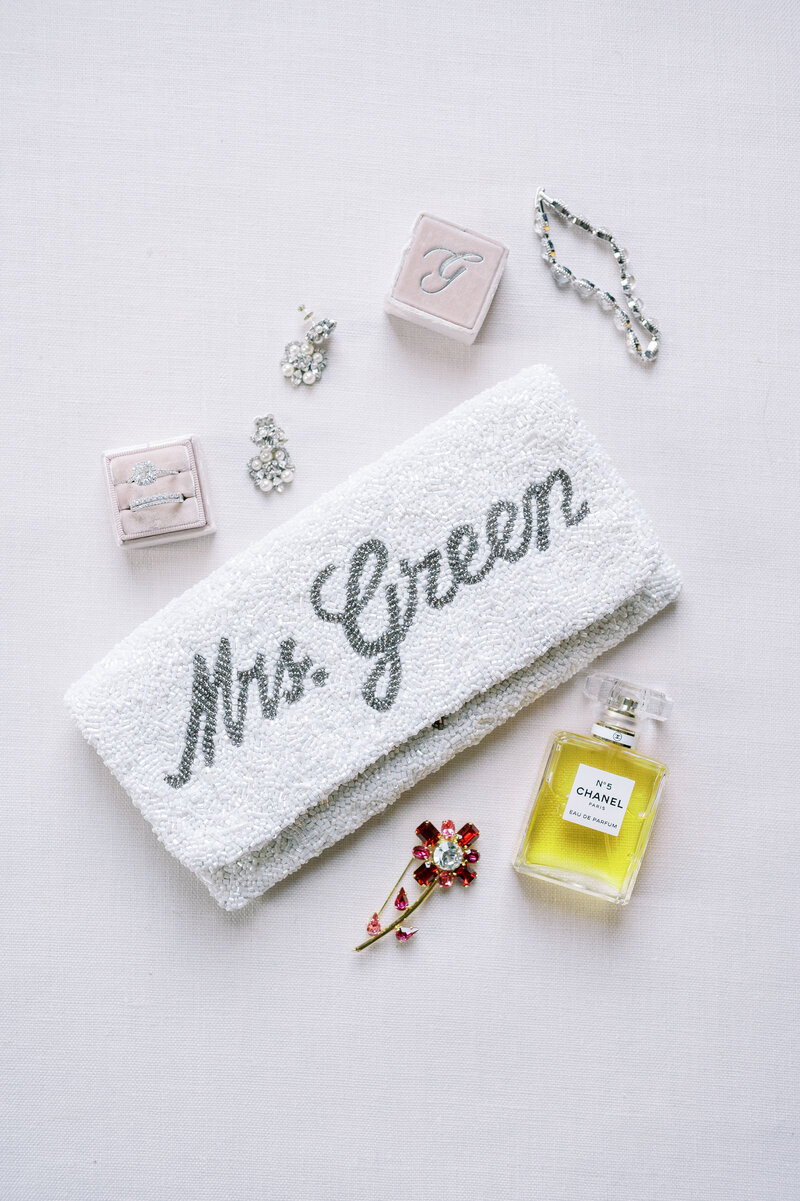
column 623, row 318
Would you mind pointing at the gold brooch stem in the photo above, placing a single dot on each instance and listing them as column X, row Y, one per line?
column 398, row 921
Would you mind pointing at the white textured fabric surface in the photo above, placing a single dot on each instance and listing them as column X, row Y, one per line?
column 176, row 179
column 475, row 566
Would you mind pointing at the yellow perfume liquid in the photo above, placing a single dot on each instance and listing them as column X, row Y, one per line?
column 593, row 808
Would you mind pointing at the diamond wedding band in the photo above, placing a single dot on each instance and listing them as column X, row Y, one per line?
column 159, row 498
column 145, row 472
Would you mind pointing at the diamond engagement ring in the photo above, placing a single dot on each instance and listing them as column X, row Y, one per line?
column 159, row 498
column 145, row 472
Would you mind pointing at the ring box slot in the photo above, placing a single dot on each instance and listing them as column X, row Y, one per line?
column 183, row 482
column 164, row 457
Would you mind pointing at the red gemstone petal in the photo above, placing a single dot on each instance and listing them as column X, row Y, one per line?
column 465, row 874
column 401, row 900
column 425, row 873
column 373, row 926
column 448, row 830
column 428, row 833
column 420, row 852
column 473, row 856
column 467, row 834
column 403, row 933
column 446, row 879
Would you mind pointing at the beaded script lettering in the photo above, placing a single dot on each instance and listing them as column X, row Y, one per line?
column 288, row 684
column 371, row 559
column 510, row 531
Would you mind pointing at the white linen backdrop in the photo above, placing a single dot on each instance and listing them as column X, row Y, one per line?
column 177, row 178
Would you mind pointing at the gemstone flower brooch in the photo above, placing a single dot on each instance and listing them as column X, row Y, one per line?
column 443, row 856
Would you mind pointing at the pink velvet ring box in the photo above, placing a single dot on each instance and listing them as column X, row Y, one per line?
column 447, row 278
column 139, row 481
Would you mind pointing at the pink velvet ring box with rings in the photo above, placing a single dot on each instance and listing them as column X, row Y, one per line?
column 447, row 278
column 157, row 493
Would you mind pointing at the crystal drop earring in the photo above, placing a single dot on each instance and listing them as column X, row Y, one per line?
column 272, row 468
column 304, row 361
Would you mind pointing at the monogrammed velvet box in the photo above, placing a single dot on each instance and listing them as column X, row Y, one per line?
column 447, row 278
column 157, row 493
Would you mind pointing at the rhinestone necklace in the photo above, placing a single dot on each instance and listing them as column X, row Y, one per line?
column 623, row 318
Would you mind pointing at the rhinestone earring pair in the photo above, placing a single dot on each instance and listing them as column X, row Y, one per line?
column 303, row 362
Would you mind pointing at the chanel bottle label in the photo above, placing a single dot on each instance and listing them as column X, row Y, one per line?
column 598, row 799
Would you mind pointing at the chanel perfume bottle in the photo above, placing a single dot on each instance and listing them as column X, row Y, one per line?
column 590, row 821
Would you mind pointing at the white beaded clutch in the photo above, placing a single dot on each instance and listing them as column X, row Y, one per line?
column 301, row 687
